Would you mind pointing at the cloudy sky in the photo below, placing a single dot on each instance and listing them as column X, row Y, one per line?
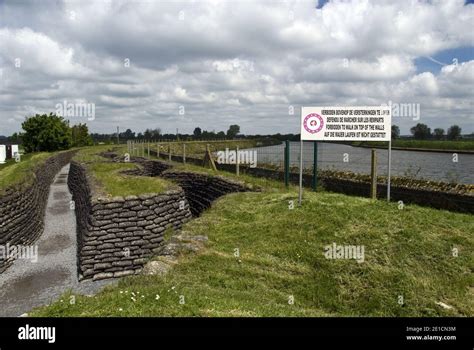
column 182, row 64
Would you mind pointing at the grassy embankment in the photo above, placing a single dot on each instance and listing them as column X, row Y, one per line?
column 108, row 179
column 409, row 257
column 461, row 145
column 12, row 173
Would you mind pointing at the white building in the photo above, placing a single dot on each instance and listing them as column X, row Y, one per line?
column 3, row 154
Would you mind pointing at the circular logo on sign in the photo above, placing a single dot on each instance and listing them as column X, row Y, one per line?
column 313, row 123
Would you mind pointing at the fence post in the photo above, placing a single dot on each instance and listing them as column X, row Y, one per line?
column 237, row 162
column 148, row 149
column 158, row 151
column 373, row 175
column 184, row 153
column 315, row 165
column 208, row 159
column 169, row 151
column 287, row 163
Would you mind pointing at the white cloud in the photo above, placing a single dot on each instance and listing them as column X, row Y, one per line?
column 232, row 62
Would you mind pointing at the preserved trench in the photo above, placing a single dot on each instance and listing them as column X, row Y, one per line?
column 88, row 245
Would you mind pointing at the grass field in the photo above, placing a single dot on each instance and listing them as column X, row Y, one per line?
column 265, row 259
column 108, row 177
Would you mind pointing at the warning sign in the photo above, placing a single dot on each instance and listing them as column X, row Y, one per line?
column 371, row 123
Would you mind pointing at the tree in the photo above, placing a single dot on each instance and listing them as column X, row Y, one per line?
column 395, row 132
column 15, row 138
column 233, row 131
column 221, row 135
column 197, row 133
column 46, row 133
column 421, row 131
column 80, row 136
column 156, row 133
column 454, row 133
column 127, row 135
column 438, row 133
column 147, row 134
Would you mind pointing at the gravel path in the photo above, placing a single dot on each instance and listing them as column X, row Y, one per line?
column 28, row 284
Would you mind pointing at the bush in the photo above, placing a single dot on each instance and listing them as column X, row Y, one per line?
column 46, row 133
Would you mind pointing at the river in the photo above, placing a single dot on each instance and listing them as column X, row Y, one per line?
column 435, row 166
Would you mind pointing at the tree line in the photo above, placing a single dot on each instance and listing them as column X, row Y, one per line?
column 155, row 134
column 423, row 132
column 50, row 132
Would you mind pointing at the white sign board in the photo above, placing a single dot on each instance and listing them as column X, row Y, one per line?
column 368, row 123
column 3, row 154
column 14, row 150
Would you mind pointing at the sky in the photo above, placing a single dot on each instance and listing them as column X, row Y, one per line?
column 183, row 64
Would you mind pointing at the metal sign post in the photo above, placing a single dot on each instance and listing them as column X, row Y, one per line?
column 300, row 196
column 315, row 165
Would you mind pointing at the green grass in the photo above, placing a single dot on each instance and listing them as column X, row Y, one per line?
column 108, row 179
column 461, row 145
column 408, row 252
column 7, row 163
column 113, row 184
column 12, row 173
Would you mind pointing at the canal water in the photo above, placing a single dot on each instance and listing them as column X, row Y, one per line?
column 435, row 166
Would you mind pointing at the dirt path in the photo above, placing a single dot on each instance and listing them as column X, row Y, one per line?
column 28, row 284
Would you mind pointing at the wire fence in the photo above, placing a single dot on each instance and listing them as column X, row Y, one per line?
column 445, row 177
column 430, row 166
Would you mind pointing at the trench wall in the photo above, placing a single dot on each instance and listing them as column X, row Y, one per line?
column 425, row 197
column 22, row 208
column 117, row 236
column 202, row 189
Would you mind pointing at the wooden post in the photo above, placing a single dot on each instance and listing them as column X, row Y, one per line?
column 169, row 151
column 287, row 163
column 148, row 150
column 237, row 162
column 208, row 159
column 184, row 153
column 373, row 175
column 158, row 151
